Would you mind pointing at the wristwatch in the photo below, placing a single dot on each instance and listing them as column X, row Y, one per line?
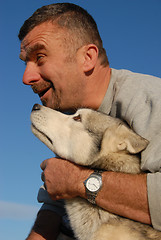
column 93, row 185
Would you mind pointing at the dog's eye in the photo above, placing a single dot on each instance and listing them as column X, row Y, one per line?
column 77, row 118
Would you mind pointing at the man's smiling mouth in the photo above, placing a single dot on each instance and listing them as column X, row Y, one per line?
column 41, row 88
column 41, row 94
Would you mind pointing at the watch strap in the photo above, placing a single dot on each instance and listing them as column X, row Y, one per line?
column 91, row 196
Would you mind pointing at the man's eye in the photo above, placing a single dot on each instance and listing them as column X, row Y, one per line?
column 77, row 118
column 39, row 57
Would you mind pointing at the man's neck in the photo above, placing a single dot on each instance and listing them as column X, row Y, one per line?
column 97, row 87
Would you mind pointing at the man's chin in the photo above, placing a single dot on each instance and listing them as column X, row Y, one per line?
column 57, row 107
column 49, row 105
column 44, row 103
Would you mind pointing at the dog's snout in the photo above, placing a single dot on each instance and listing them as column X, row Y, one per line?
column 36, row 107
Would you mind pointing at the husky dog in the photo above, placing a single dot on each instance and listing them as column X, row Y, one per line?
column 94, row 139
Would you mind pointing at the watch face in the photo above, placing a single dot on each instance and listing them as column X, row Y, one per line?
column 93, row 184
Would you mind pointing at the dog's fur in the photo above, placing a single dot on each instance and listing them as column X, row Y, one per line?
column 96, row 140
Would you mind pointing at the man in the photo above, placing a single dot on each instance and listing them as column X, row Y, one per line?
column 67, row 66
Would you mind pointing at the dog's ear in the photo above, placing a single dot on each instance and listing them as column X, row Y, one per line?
column 119, row 138
column 131, row 141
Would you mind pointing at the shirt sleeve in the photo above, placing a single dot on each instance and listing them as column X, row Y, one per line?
column 154, row 198
column 151, row 162
column 49, row 204
column 57, row 207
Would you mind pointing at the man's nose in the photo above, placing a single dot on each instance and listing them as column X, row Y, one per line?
column 31, row 74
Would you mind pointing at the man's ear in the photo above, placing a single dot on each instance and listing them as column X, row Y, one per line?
column 90, row 57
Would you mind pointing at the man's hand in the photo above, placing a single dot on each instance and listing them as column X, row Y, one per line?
column 63, row 179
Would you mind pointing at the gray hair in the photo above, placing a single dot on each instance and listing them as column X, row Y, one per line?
column 71, row 17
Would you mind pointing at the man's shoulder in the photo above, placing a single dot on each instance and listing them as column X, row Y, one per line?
column 127, row 74
column 132, row 81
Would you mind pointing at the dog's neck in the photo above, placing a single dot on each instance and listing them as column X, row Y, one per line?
column 118, row 162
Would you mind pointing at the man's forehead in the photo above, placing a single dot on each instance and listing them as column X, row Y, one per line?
column 37, row 33
column 40, row 34
column 45, row 28
column 37, row 39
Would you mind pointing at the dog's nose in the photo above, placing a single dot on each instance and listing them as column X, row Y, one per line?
column 36, row 107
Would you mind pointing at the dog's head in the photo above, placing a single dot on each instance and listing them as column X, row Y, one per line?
column 81, row 137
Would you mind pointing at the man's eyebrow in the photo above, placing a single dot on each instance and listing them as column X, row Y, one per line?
column 31, row 50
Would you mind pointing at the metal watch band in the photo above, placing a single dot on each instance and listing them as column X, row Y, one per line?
column 91, row 196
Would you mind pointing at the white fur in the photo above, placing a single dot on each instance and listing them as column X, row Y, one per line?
column 98, row 141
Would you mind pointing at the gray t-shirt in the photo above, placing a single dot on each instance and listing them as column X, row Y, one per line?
column 134, row 98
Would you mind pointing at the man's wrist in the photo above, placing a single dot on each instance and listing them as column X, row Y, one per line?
column 84, row 174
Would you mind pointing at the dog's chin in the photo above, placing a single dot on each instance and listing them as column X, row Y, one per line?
column 42, row 136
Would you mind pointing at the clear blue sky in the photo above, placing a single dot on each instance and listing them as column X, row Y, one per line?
column 131, row 32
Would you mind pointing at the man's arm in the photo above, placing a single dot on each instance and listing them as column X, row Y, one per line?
column 121, row 194
column 35, row 236
column 46, row 226
column 125, row 195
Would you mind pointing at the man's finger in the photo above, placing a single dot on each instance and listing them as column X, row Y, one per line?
column 43, row 164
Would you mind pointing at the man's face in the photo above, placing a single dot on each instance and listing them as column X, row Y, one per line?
column 53, row 73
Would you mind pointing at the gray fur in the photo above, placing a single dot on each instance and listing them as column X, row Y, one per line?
column 98, row 141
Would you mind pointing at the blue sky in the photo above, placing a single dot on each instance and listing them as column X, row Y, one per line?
column 131, row 32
